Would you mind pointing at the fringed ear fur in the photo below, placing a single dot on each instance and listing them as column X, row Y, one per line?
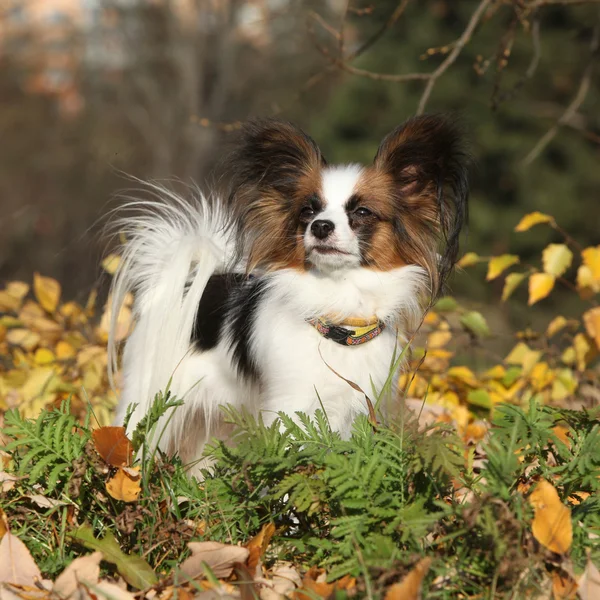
column 274, row 166
column 428, row 163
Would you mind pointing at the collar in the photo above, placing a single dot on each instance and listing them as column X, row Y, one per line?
column 351, row 332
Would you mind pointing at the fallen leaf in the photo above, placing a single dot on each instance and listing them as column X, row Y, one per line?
column 105, row 590
column 591, row 320
column 134, row 569
column 24, row 338
column 551, row 523
column 219, row 558
column 8, row 481
column 589, row 582
column 564, row 587
column 44, row 502
column 410, row 587
column 113, row 446
column 511, row 283
column 85, row 569
column 499, row 264
column 47, row 292
column 284, row 579
column 531, row 219
column 257, row 546
column 16, row 564
column 540, row 285
column 3, row 523
column 123, row 486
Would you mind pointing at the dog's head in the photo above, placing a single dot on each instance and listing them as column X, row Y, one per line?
column 296, row 211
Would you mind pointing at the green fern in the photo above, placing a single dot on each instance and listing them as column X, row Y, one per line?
column 44, row 449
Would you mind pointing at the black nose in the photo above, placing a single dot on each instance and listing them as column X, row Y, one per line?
column 322, row 228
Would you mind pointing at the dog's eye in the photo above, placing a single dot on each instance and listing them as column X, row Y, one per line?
column 307, row 213
column 361, row 211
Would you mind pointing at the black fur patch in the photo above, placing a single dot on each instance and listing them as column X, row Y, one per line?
column 213, row 308
column 243, row 306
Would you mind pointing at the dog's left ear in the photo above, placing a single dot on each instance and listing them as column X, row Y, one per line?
column 428, row 164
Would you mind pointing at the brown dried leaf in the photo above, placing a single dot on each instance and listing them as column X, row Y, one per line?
column 16, row 564
column 410, row 587
column 258, row 545
column 589, row 583
column 220, row 558
column 85, row 569
column 113, row 446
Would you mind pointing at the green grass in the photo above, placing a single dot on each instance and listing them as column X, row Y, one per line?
column 370, row 506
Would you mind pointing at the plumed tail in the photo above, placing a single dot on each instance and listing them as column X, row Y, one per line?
column 172, row 248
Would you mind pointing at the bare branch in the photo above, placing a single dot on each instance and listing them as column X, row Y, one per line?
column 462, row 41
column 572, row 108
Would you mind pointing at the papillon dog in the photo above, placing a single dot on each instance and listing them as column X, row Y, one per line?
column 294, row 288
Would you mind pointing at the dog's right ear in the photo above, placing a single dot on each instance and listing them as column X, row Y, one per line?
column 272, row 170
column 272, row 156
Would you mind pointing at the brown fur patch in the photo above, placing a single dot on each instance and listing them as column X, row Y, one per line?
column 275, row 169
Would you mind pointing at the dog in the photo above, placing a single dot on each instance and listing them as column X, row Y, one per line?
column 296, row 287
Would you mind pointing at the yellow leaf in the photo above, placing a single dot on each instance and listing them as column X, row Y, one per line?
column 17, row 289
column 556, row 258
column 111, row 263
column 556, row 325
column 43, row 356
column 496, row 372
column 125, row 485
column 591, row 320
column 463, row 374
column 540, row 285
column 564, row 385
column 551, row 525
column 499, row 264
column 47, row 292
column 568, row 356
column 591, row 259
column 438, row 339
column 9, row 303
column 64, row 350
column 468, row 260
column 511, row 283
column 24, row 338
column 541, row 376
column 583, row 351
column 534, row 218
column 523, row 355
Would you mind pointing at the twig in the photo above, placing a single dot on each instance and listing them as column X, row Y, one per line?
column 572, row 108
column 531, row 69
column 451, row 58
column 540, row 3
column 341, row 38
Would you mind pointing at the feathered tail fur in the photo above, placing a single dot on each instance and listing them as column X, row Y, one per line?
column 172, row 248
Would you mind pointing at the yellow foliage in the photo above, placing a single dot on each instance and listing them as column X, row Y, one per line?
column 47, row 292
column 499, row 264
column 540, row 285
column 551, row 523
column 534, row 218
column 556, row 258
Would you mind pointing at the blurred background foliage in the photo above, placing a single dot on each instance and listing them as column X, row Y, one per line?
column 91, row 90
